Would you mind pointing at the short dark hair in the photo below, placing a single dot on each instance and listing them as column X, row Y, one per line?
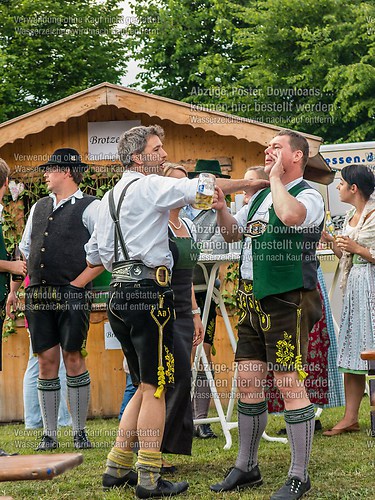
column 77, row 175
column 4, row 172
column 297, row 143
column 361, row 176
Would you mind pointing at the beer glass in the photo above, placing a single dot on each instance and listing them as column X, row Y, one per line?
column 205, row 191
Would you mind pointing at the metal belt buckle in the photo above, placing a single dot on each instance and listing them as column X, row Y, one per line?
column 162, row 276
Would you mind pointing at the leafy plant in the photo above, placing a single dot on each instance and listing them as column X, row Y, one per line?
column 230, row 287
column 10, row 325
column 303, row 65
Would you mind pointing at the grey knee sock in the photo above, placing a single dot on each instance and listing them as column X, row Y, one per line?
column 148, row 468
column 202, row 396
column 119, row 462
column 300, row 426
column 252, row 420
column 49, row 392
column 79, row 396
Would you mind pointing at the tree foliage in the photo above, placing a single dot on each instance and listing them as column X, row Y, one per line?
column 50, row 49
column 184, row 38
column 306, row 65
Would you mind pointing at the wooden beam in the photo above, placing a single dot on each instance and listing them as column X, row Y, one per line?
column 50, row 115
column 185, row 114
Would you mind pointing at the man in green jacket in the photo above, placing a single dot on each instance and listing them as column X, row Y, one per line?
column 279, row 305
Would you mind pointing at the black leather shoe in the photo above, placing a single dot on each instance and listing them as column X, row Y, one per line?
column 163, row 489
column 293, row 489
column 5, row 454
column 47, row 443
column 204, row 431
column 237, row 479
column 130, row 479
column 81, row 441
column 168, row 469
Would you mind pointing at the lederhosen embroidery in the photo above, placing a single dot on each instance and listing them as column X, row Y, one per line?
column 245, row 299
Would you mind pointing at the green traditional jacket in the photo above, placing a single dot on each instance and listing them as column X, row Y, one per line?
column 284, row 258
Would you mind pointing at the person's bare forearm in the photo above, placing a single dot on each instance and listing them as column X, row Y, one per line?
column 288, row 209
column 229, row 186
column 12, row 300
column 14, row 286
column 87, row 275
column 228, row 226
column 5, row 266
column 365, row 253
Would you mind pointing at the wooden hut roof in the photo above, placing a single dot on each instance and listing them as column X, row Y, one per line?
column 163, row 108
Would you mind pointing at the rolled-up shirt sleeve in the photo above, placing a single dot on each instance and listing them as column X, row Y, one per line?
column 26, row 236
column 314, row 204
column 90, row 216
column 99, row 250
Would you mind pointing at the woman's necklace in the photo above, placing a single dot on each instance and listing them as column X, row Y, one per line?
column 174, row 225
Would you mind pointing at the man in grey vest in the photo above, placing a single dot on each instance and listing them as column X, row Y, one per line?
column 279, row 305
column 57, row 298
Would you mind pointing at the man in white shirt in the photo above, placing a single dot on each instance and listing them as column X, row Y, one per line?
column 140, row 308
column 279, row 305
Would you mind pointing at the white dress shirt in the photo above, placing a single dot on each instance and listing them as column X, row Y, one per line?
column 310, row 198
column 143, row 219
column 89, row 218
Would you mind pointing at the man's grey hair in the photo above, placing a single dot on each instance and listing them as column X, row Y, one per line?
column 134, row 141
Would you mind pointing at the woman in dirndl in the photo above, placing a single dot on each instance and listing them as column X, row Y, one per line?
column 187, row 330
column 356, row 249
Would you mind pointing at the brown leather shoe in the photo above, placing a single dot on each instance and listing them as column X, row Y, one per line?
column 342, row 430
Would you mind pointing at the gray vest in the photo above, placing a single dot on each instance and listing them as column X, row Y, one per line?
column 57, row 254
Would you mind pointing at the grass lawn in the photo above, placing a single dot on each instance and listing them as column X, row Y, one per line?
column 342, row 467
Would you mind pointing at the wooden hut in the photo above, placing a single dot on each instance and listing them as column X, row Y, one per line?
column 191, row 131
column 91, row 121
